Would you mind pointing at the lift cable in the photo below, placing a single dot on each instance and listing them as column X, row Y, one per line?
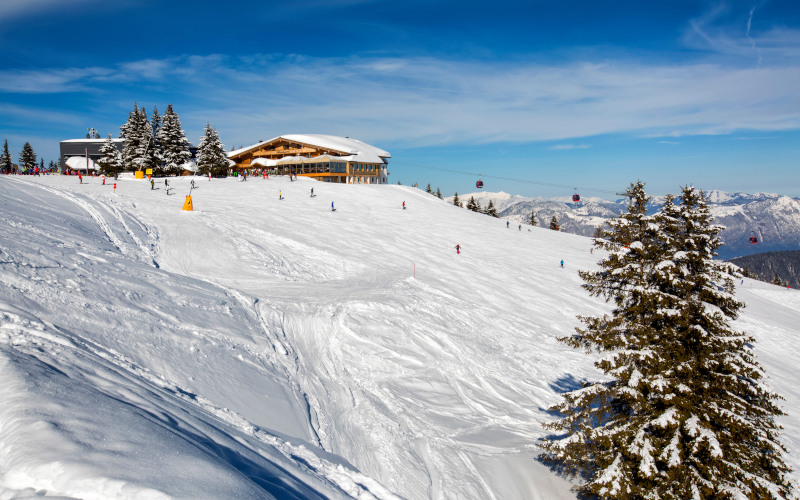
column 512, row 179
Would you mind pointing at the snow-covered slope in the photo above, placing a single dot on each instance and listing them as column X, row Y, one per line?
column 773, row 219
column 259, row 347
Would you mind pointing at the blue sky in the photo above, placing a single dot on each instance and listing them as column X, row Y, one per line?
column 540, row 97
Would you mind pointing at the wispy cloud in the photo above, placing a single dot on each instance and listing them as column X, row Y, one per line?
column 429, row 101
column 569, row 146
column 672, row 143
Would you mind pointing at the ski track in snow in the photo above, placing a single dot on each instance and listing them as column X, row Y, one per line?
column 435, row 386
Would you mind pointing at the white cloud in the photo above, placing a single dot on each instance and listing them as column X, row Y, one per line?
column 569, row 146
column 428, row 101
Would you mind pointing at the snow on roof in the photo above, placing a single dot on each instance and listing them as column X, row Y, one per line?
column 79, row 163
column 264, row 162
column 358, row 151
column 92, row 140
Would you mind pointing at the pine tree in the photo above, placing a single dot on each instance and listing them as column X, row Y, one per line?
column 6, row 165
column 777, row 280
column 110, row 160
column 599, row 232
column 554, row 223
column 155, row 128
column 533, row 220
column 491, row 210
column 428, row 189
column 27, row 158
column 473, row 205
column 138, row 148
column 456, row 200
column 684, row 414
column 211, row 157
column 438, row 193
column 175, row 147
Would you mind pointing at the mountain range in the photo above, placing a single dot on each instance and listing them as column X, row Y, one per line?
column 771, row 218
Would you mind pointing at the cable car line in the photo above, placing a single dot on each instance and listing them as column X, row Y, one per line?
column 512, row 179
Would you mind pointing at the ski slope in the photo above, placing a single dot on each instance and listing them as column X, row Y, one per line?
column 258, row 347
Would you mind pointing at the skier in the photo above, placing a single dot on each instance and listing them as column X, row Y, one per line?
column 193, row 186
column 332, row 209
column 80, row 177
column 562, row 263
column 280, row 195
column 458, row 249
column 520, row 227
column 312, row 192
column 404, row 205
column 507, row 224
column 152, row 184
column 166, row 184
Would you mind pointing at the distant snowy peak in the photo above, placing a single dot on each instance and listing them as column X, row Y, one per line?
column 773, row 219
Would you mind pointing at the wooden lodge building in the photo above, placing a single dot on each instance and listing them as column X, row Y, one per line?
column 327, row 158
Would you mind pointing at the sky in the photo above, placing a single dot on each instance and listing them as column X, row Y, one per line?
column 536, row 98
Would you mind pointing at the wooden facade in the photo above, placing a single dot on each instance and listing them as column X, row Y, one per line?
column 325, row 158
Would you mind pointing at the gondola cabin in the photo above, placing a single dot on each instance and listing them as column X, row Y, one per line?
column 576, row 197
column 479, row 184
column 753, row 240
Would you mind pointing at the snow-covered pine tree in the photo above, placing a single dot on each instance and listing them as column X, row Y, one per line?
column 27, row 158
column 685, row 414
column 110, row 161
column 473, row 205
column 147, row 156
column 174, row 146
column 456, row 200
column 211, row 157
column 6, row 165
column 491, row 209
column 155, row 128
column 137, row 153
column 533, row 221
column 554, row 223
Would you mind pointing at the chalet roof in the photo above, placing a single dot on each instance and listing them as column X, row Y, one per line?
column 92, row 140
column 353, row 149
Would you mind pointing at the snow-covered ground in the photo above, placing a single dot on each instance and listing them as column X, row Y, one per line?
column 259, row 347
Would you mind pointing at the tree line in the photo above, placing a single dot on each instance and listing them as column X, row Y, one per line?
column 27, row 163
column 159, row 144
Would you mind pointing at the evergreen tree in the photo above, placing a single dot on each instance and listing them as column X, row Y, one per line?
column 473, row 205
column 456, row 200
column 175, row 147
column 554, row 223
column 211, row 157
column 777, row 280
column 110, row 161
column 428, row 189
column 27, row 158
column 138, row 150
column 6, row 165
column 438, row 193
column 598, row 232
column 491, row 210
column 155, row 128
column 533, row 220
column 685, row 413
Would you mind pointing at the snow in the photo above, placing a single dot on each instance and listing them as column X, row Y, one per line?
column 79, row 163
column 359, row 151
column 258, row 347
